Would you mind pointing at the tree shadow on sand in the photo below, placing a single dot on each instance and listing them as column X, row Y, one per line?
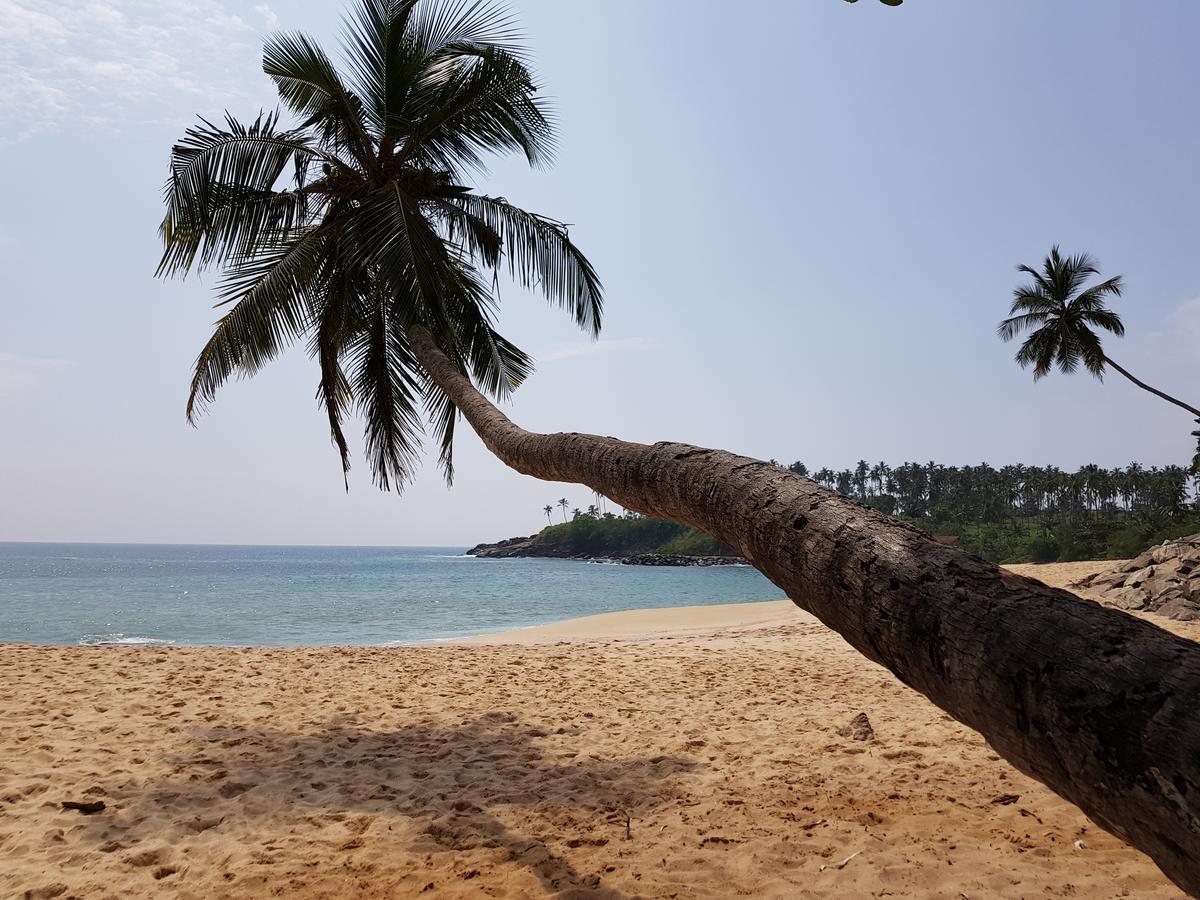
column 451, row 782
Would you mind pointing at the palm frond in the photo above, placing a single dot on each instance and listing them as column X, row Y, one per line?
column 1076, row 270
column 1068, row 354
column 1093, row 297
column 1091, row 353
column 388, row 234
column 498, row 366
column 1106, row 319
column 1031, row 299
column 238, row 221
column 540, row 254
column 387, row 391
column 1038, row 351
column 466, row 27
column 487, row 107
column 1013, row 326
column 385, row 60
column 269, row 314
column 495, row 364
column 336, row 328
column 217, row 169
column 1039, row 279
column 443, row 416
column 310, row 86
column 476, row 237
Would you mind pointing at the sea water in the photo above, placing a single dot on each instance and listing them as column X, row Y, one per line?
column 298, row 596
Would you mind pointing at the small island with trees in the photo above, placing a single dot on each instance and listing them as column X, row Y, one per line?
column 630, row 538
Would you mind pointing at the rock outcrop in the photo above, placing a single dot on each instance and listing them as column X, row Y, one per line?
column 530, row 547
column 674, row 559
column 1163, row 580
column 517, row 546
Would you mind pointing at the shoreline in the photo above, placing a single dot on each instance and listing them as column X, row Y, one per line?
column 638, row 624
column 647, row 624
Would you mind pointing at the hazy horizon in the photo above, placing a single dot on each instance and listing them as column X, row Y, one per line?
column 806, row 218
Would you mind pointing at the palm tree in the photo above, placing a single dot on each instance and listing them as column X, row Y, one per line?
column 861, row 473
column 548, row 510
column 1061, row 315
column 377, row 233
column 378, row 254
column 564, row 504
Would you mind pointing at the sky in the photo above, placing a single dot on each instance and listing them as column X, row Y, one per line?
column 806, row 216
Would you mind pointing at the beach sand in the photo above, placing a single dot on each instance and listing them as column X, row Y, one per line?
column 690, row 752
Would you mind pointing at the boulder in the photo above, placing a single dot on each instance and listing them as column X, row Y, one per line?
column 670, row 559
column 1163, row 580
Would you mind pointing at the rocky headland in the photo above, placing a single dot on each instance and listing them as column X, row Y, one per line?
column 531, row 547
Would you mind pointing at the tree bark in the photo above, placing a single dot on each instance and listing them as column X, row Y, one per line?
column 1153, row 390
column 1098, row 705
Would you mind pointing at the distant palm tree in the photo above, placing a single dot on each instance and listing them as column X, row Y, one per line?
column 547, row 510
column 861, row 474
column 378, row 235
column 564, row 504
column 1060, row 315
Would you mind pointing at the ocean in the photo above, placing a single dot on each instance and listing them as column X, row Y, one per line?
column 202, row 595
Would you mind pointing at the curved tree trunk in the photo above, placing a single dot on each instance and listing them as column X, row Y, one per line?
column 1153, row 390
column 1098, row 705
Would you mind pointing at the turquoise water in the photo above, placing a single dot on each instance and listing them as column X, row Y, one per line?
column 295, row 596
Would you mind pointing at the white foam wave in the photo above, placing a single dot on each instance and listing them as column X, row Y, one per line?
column 118, row 638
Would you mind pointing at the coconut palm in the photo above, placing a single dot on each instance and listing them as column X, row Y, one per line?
column 1063, row 316
column 376, row 231
column 548, row 510
column 378, row 254
column 564, row 504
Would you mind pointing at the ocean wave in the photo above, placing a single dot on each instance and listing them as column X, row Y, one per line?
column 118, row 638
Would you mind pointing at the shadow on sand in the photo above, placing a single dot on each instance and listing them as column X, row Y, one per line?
column 455, row 784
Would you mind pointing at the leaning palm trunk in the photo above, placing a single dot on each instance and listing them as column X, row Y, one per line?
column 1097, row 705
column 1153, row 390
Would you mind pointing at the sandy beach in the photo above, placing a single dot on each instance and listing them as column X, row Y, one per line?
column 692, row 752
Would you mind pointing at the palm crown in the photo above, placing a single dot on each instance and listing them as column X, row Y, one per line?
column 1061, row 314
column 353, row 224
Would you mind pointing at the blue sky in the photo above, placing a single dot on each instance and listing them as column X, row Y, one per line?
column 806, row 216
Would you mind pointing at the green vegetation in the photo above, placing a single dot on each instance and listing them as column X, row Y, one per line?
column 1029, row 513
column 592, row 533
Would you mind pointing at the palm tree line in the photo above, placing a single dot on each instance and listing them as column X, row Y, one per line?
column 984, row 493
